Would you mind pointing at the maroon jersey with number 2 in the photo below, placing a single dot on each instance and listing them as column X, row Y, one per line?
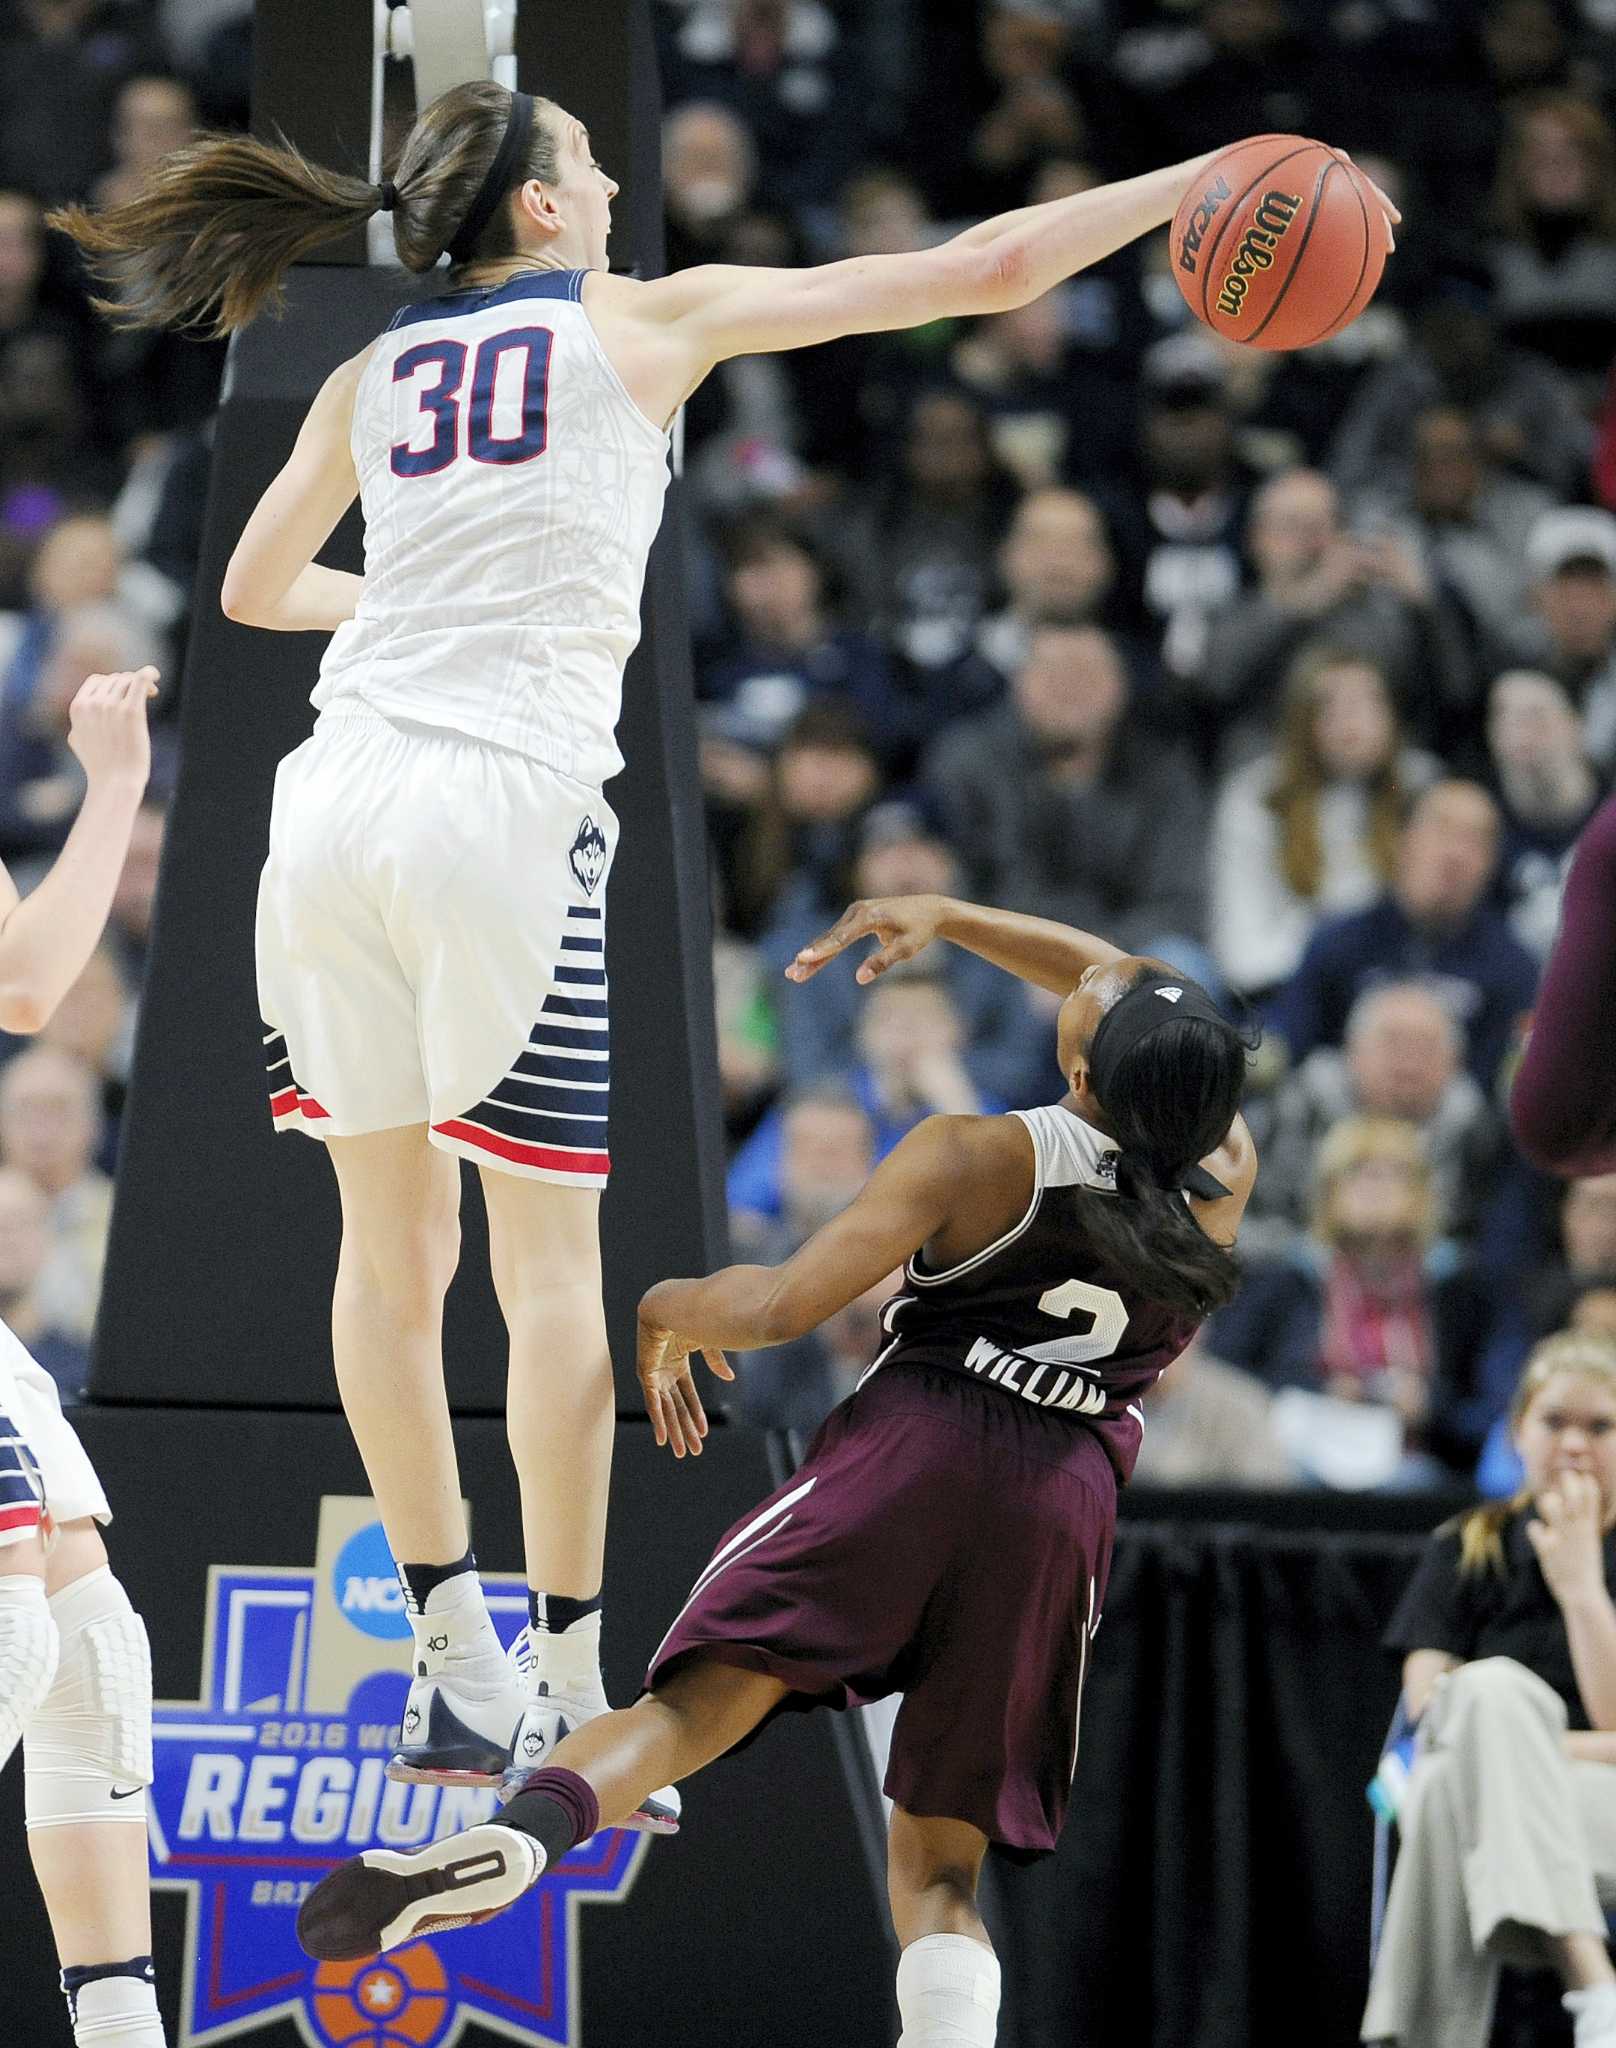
column 1037, row 1314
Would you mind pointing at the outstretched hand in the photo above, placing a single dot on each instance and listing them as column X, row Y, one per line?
column 107, row 726
column 678, row 1419
column 905, row 926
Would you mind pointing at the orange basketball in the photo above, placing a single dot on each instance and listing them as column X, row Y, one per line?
column 1279, row 242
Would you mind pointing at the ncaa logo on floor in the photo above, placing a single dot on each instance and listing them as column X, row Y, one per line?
column 274, row 1774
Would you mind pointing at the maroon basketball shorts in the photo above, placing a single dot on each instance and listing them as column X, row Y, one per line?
column 946, row 1542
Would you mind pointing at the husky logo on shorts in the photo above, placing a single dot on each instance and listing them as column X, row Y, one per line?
column 588, row 856
column 274, row 1776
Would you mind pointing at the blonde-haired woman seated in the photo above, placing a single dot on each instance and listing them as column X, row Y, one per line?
column 1508, row 1824
column 1310, row 830
column 1371, row 1312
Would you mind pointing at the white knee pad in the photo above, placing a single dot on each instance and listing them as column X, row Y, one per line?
column 28, row 1654
column 87, row 1751
column 948, row 1993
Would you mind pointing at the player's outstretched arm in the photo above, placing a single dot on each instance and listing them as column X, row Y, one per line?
column 273, row 579
column 716, row 311
column 47, row 936
column 1033, row 949
column 906, row 1201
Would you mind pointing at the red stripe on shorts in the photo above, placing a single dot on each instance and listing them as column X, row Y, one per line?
column 527, row 1155
column 283, row 1104
column 19, row 1518
column 309, row 1106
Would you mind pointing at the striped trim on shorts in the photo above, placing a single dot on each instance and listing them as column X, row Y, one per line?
column 548, row 1114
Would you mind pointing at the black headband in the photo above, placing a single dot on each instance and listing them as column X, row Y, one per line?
column 1153, row 1000
column 500, row 176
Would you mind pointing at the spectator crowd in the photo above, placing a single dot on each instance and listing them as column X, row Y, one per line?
column 1297, row 671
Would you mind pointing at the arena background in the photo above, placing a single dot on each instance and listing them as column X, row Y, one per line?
column 846, row 683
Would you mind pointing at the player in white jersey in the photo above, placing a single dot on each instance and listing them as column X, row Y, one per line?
column 75, row 1671
column 430, row 926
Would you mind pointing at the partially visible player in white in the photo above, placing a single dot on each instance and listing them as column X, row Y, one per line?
column 75, row 1670
column 430, row 934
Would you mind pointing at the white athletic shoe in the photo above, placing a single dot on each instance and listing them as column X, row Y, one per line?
column 389, row 1896
column 1594, row 2011
column 547, row 1718
column 453, row 1733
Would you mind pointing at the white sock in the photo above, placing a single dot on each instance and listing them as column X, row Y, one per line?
column 948, row 1993
column 1594, row 2010
column 565, row 1661
column 454, row 1636
column 117, row 2012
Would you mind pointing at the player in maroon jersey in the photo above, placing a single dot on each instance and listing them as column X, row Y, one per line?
column 1563, row 1104
column 950, row 1533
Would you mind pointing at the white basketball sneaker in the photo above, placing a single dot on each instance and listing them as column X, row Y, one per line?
column 459, row 1716
column 549, row 1715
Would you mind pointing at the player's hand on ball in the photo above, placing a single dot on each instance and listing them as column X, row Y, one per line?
column 107, row 726
column 678, row 1419
column 905, row 925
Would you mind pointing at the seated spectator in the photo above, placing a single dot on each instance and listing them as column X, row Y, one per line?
column 1372, row 1312
column 1583, row 1263
column 1058, row 568
column 95, row 1023
column 1403, row 1058
column 1034, row 114
column 920, row 554
column 152, row 115
column 709, row 173
column 1571, row 633
column 1464, row 521
column 1207, row 1423
column 1553, row 249
column 1310, row 830
column 1507, row 1824
column 911, row 1065
column 1433, row 925
column 1178, row 506
column 795, row 1386
column 782, row 68
column 782, row 592
column 49, row 1130
column 817, row 1155
column 1546, row 789
column 1059, row 806
column 25, row 1245
column 899, row 855
column 1525, row 410
column 793, row 849
column 1020, row 366
column 1316, row 581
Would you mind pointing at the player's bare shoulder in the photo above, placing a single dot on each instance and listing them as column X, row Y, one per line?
column 990, row 1165
column 653, row 355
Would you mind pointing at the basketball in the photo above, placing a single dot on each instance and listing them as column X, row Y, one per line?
column 1279, row 243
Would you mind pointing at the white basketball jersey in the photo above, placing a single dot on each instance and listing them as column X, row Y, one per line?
column 511, row 491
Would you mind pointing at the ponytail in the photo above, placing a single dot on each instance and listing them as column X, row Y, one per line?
column 208, row 240
column 1169, row 1099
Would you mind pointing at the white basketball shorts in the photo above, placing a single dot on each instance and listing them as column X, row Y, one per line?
column 44, row 1469
column 431, row 947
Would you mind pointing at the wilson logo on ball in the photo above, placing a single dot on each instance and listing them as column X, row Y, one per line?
column 1195, row 232
column 1256, row 251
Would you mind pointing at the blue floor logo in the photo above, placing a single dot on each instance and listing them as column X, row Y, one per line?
column 274, row 1776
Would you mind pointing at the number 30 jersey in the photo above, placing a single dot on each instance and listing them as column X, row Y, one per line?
column 1036, row 1314
column 511, row 490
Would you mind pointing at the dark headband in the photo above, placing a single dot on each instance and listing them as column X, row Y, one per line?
column 498, row 180
column 1152, row 1001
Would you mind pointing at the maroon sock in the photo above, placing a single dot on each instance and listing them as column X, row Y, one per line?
column 557, row 1808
